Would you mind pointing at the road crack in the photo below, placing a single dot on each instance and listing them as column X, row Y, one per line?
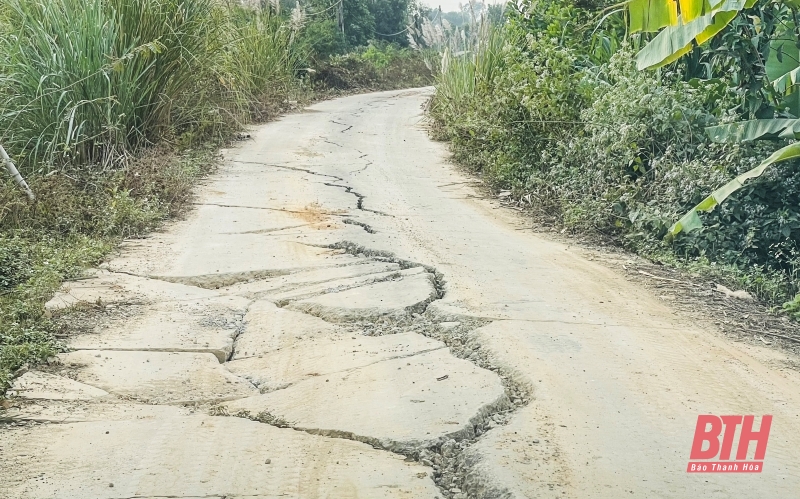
column 359, row 199
column 286, row 167
column 364, row 226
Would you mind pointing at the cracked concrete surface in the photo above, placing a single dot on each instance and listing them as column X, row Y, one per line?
column 343, row 316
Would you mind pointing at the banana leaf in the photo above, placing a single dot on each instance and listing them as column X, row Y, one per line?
column 783, row 67
column 754, row 130
column 691, row 220
column 676, row 39
column 651, row 15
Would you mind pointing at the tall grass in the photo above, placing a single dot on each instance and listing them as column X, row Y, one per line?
column 260, row 52
column 88, row 81
column 461, row 75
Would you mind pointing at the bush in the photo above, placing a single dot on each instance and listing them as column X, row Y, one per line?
column 15, row 263
column 517, row 96
column 379, row 66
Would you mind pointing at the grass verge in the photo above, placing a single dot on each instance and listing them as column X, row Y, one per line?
column 80, row 215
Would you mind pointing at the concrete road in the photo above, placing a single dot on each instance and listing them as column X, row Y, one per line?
column 345, row 315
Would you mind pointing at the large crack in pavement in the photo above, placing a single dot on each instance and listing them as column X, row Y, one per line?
column 442, row 454
column 359, row 197
column 445, row 455
column 367, row 228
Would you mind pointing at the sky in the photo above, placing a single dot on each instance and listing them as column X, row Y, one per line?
column 449, row 5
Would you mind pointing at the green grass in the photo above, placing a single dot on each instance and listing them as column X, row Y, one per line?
column 462, row 75
column 92, row 81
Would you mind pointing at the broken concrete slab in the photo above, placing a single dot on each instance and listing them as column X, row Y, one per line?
column 103, row 286
column 198, row 456
column 105, row 409
column 515, row 461
column 212, row 261
column 341, row 285
column 158, row 377
column 204, row 325
column 41, row 385
column 390, row 298
column 326, row 354
column 269, row 328
column 398, row 404
column 353, row 267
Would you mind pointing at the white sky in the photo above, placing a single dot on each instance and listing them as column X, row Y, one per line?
column 450, row 5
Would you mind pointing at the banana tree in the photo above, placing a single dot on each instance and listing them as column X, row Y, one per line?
column 782, row 68
column 684, row 24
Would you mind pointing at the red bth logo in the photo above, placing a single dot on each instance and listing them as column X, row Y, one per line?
column 712, row 454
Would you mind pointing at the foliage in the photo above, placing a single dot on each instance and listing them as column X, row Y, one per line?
column 266, row 56
column 337, row 26
column 89, row 82
column 767, row 80
column 738, row 55
column 380, row 66
column 691, row 220
column 358, row 22
column 696, row 22
column 322, row 38
column 391, row 17
column 64, row 102
column 793, row 307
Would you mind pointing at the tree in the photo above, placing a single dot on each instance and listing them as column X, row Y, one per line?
column 359, row 23
column 391, row 17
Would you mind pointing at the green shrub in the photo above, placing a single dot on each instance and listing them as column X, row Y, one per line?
column 516, row 97
column 379, row 66
column 15, row 263
column 322, row 39
column 793, row 307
